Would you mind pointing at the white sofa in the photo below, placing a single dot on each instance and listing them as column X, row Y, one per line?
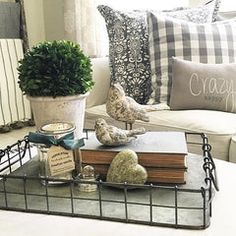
column 220, row 127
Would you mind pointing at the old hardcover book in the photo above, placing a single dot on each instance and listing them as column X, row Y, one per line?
column 154, row 149
column 155, row 174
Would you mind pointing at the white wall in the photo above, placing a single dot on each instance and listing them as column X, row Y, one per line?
column 35, row 21
column 54, row 19
column 44, row 19
column 197, row 2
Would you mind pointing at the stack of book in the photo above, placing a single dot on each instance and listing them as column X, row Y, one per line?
column 162, row 154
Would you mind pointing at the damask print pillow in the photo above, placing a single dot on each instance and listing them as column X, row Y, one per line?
column 203, row 86
column 129, row 50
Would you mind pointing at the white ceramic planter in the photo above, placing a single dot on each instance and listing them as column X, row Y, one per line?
column 64, row 109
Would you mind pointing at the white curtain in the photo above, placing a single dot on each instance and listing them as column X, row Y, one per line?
column 84, row 25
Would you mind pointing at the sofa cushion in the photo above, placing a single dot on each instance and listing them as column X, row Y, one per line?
column 128, row 45
column 219, row 126
column 203, row 86
column 101, row 77
column 205, row 43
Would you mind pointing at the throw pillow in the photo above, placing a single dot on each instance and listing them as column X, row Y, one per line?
column 205, row 43
column 10, row 20
column 215, row 12
column 216, row 9
column 128, row 46
column 203, row 86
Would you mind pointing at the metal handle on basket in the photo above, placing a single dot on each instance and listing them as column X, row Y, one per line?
column 209, row 163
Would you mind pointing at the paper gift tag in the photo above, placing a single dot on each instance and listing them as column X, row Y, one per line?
column 60, row 160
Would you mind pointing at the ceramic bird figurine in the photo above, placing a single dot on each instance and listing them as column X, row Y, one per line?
column 112, row 136
column 124, row 108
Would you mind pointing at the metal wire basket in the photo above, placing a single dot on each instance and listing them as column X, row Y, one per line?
column 179, row 206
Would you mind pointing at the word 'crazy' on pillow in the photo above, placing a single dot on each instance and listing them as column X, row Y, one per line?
column 205, row 43
column 203, row 86
column 128, row 45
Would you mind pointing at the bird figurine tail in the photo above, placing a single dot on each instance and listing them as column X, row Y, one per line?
column 137, row 131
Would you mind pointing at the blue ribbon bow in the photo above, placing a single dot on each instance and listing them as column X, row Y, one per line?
column 67, row 141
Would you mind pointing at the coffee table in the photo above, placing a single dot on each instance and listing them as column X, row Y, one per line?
column 223, row 221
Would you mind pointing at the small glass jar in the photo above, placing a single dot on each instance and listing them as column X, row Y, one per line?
column 87, row 174
column 58, row 130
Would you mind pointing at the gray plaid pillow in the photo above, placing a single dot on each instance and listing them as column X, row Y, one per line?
column 205, row 43
column 128, row 45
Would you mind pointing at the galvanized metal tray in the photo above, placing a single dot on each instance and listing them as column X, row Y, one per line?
column 179, row 206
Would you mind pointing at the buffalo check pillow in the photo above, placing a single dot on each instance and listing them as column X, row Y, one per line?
column 206, row 43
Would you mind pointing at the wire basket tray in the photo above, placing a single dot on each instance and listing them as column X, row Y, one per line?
column 179, row 206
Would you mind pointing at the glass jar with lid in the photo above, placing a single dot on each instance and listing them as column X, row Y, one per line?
column 54, row 160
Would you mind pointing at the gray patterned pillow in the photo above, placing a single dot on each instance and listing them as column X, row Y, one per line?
column 128, row 46
column 216, row 10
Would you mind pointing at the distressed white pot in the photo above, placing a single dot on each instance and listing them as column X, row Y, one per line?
column 64, row 109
